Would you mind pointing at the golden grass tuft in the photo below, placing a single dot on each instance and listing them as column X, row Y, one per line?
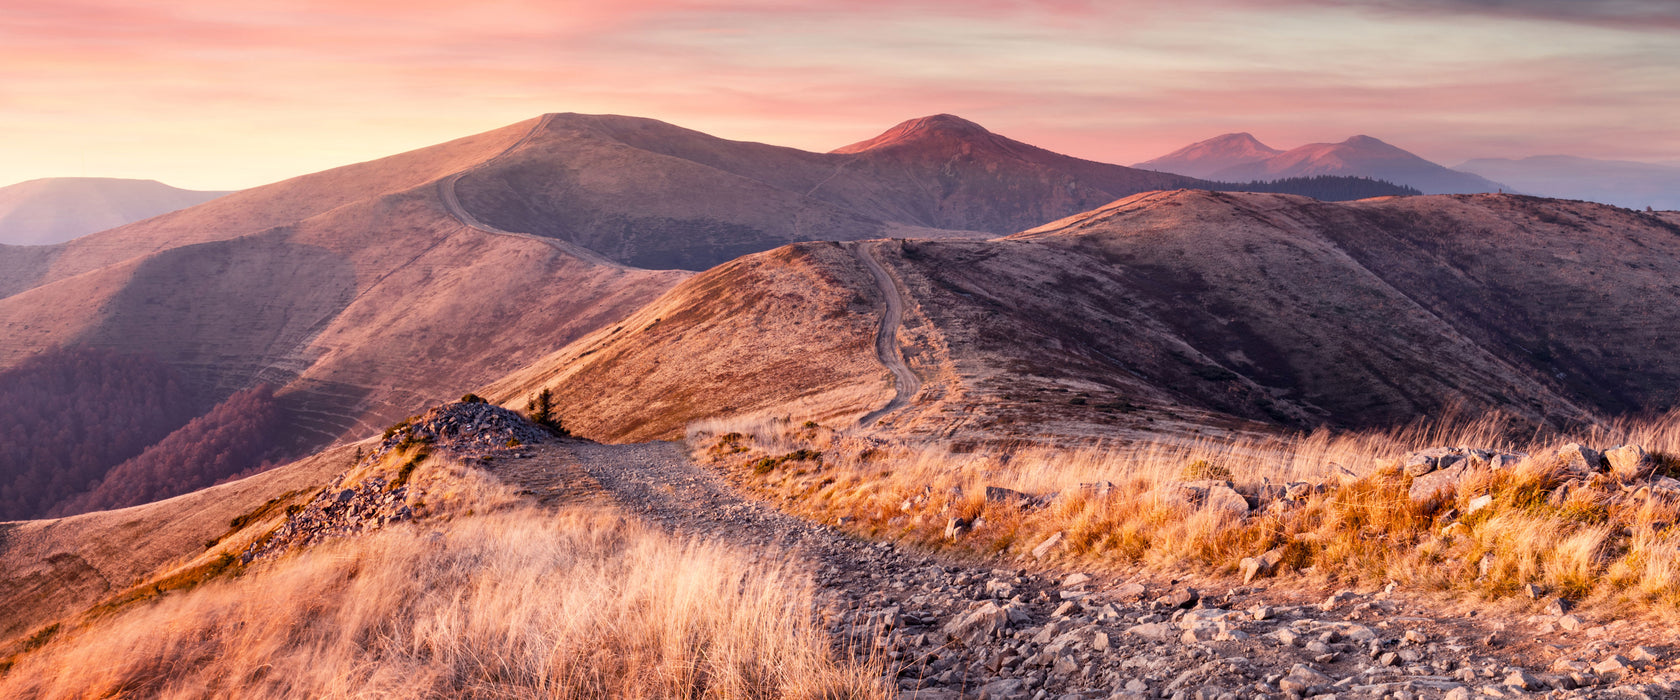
column 1115, row 505
column 519, row 604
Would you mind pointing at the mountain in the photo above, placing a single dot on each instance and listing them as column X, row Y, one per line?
column 1204, row 158
column 649, row 194
column 1360, row 156
column 1619, row 182
column 54, row 210
column 1164, row 312
column 363, row 292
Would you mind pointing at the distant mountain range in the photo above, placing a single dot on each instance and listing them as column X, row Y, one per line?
column 359, row 294
column 1241, row 157
column 54, row 210
column 1619, row 182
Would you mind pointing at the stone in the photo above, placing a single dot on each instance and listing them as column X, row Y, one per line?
column 1523, row 680
column 1099, row 641
column 1180, row 597
column 1459, row 693
column 1153, row 631
column 1580, row 459
column 1337, row 599
column 1613, row 668
column 979, row 623
column 1065, row 609
column 997, row 588
column 1048, row 544
column 930, row 694
column 1300, row 491
column 1200, row 633
column 1130, row 591
column 1644, row 655
column 1225, row 499
column 1557, row 607
column 1478, row 503
column 1437, row 483
column 1259, row 566
column 1302, row 678
column 1288, row 636
column 1629, row 462
column 1065, row 666
column 1006, row 689
column 1074, row 580
column 1570, row 623
column 1419, row 463
column 955, row 527
column 999, row 494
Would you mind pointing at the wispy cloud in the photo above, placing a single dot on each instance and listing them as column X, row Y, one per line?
column 219, row 94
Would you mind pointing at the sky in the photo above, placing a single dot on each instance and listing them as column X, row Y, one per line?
column 211, row 94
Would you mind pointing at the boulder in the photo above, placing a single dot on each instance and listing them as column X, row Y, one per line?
column 978, row 623
column 1048, row 544
column 1423, row 462
column 1629, row 462
column 1439, row 482
column 1225, row 499
column 1303, row 678
column 955, row 528
column 1580, row 459
column 1260, row 566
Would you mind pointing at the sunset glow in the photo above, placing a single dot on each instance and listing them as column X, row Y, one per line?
column 216, row 95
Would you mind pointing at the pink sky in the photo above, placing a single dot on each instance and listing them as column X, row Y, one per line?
column 218, row 95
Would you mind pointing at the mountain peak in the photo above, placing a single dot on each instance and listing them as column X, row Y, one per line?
column 1203, row 158
column 935, row 127
column 1363, row 141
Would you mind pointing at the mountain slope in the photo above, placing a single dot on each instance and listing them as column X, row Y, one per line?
column 261, row 208
column 1204, row 158
column 650, row 194
column 1619, row 182
column 1361, row 156
column 1180, row 311
column 54, row 210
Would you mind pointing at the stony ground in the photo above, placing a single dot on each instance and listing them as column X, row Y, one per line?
column 954, row 630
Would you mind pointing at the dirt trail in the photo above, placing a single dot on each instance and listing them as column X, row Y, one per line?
column 960, row 631
column 452, row 203
column 905, row 382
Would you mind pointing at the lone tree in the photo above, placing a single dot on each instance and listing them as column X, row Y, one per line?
column 540, row 408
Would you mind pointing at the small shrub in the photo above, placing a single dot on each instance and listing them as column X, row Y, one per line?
column 765, row 465
column 1202, row 470
column 472, row 398
column 540, row 409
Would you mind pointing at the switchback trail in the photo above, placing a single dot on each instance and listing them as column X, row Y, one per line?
column 887, row 349
column 950, row 630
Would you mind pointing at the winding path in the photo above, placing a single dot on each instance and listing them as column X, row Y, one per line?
column 905, row 382
column 452, row 202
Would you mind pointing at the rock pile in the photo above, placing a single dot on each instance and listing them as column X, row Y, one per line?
column 1628, row 469
column 338, row 513
column 466, row 430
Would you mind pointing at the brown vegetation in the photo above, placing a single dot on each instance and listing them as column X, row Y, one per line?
column 238, row 437
column 487, row 600
column 1118, row 507
column 69, row 416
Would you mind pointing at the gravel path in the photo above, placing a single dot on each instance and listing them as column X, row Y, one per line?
column 905, row 382
column 953, row 631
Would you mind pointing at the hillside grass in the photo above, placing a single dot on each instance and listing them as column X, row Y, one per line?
column 510, row 603
column 1597, row 546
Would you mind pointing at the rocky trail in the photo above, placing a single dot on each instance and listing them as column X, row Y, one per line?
column 951, row 630
column 887, row 349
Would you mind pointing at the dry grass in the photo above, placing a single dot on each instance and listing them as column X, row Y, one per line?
column 1598, row 545
column 514, row 604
